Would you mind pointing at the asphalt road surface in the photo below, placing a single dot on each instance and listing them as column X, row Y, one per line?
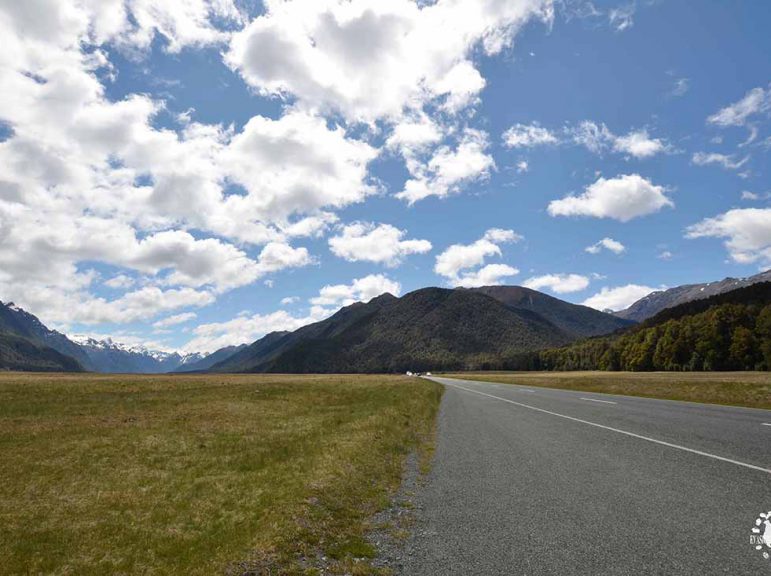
column 531, row 480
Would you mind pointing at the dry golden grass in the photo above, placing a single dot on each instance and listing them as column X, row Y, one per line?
column 200, row 474
column 752, row 389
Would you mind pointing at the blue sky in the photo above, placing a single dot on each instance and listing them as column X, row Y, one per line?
column 192, row 174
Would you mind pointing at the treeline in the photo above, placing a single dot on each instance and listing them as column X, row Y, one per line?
column 727, row 332
column 725, row 337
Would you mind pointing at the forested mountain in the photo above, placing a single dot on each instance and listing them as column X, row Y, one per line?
column 655, row 302
column 574, row 319
column 730, row 331
column 432, row 328
column 18, row 353
column 18, row 322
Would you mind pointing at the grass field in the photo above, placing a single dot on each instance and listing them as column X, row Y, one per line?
column 201, row 474
column 752, row 389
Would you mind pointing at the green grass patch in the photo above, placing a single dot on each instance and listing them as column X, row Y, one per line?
column 201, row 474
column 750, row 389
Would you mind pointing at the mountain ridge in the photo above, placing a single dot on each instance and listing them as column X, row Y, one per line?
column 655, row 302
column 429, row 328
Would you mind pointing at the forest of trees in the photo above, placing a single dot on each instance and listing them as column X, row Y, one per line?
column 727, row 332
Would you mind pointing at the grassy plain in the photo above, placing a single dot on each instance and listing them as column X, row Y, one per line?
column 201, row 474
column 751, row 389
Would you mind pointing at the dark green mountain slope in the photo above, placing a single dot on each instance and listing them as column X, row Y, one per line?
column 730, row 331
column 14, row 320
column 433, row 328
column 574, row 319
column 17, row 353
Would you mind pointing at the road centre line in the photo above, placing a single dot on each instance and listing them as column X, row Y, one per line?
column 619, row 431
column 595, row 400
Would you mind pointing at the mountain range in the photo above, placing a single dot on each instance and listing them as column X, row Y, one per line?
column 655, row 302
column 430, row 328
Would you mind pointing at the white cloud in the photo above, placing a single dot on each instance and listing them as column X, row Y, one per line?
column 618, row 298
column 747, row 232
column 457, row 261
column 372, row 60
column 120, row 281
column 558, row 283
column 622, row 198
column 726, row 161
column 622, row 17
column 360, row 290
column 607, row 243
column 381, row 243
column 290, row 300
column 754, row 196
column 528, row 136
column 522, row 167
column 756, row 101
column 665, row 255
column 174, row 320
column 448, row 169
column 295, row 164
column 639, row 144
column 597, row 138
column 246, row 329
column 90, row 179
column 489, row 275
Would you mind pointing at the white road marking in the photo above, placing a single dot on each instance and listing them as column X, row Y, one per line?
column 766, row 424
column 595, row 400
column 632, row 434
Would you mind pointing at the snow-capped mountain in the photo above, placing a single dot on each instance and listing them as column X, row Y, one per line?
column 108, row 355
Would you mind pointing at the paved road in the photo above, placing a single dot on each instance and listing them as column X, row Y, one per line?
column 539, row 481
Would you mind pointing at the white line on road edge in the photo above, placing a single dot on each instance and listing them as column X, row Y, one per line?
column 595, row 400
column 632, row 434
column 766, row 424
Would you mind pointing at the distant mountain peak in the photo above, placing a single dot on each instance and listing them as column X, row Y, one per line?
column 655, row 302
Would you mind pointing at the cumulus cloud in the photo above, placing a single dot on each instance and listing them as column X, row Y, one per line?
column 747, row 232
column 728, row 162
column 558, row 283
column 608, row 244
column 622, row 198
column 375, row 60
column 449, row 168
column 90, row 179
column 528, row 136
column 245, row 329
column 401, row 66
column 360, row 290
column 639, row 144
column 380, row 243
column 457, row 262
column 618, row 298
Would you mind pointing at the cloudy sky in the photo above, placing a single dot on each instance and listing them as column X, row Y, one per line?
column 196, row 173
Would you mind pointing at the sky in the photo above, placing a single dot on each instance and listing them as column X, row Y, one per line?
column 191, row 174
